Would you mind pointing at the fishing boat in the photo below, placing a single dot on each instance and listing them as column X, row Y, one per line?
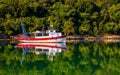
column 49, row 49
column 50, row 35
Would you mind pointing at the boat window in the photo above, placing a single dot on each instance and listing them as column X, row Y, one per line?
column 46, row 50
column 46, row 34
column 38, row 50
column 38, row 34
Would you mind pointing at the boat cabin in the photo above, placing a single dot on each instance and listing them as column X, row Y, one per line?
column 47, row 33
column 49, row 51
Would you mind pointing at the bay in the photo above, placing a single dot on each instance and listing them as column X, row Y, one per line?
column 82, row 58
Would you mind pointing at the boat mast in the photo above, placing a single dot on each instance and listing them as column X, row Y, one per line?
column 23, row 29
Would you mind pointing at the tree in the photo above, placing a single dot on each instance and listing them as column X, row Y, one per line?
column 68, row 27
column 84, row 28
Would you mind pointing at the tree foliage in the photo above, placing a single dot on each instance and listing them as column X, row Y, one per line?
column 91, row 17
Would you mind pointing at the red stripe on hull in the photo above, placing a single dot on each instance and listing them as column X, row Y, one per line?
column 32, row 46
column 33, row 38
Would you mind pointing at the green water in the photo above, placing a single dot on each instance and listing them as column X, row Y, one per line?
column 83, row 58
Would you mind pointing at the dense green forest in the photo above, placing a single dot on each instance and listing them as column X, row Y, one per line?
column 92, row 17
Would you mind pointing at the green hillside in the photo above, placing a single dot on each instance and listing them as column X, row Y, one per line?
column 81, row 17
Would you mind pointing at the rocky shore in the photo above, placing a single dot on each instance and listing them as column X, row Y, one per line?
column 105, row 38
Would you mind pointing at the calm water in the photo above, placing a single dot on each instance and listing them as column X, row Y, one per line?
column 83, row 58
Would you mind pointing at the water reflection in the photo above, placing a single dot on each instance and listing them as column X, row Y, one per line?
column 3, row 43
column 50, row 49
column 83, row 58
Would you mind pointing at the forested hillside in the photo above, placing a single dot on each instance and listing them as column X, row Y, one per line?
column 90, row 17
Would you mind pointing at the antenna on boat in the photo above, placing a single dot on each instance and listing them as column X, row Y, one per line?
column 23, row 29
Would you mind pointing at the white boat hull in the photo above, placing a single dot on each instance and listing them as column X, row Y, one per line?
column 54, row 39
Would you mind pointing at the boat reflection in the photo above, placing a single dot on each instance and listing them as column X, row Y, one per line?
column 50, row 49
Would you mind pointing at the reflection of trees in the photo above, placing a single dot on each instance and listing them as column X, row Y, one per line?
column 83, row 58
column 10, row 62
column 99, row 58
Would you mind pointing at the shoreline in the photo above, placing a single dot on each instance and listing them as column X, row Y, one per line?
column 105, row 38
column 77, row 38
column 115, row 37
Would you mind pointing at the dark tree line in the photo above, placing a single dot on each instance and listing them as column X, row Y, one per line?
column 92, row 17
